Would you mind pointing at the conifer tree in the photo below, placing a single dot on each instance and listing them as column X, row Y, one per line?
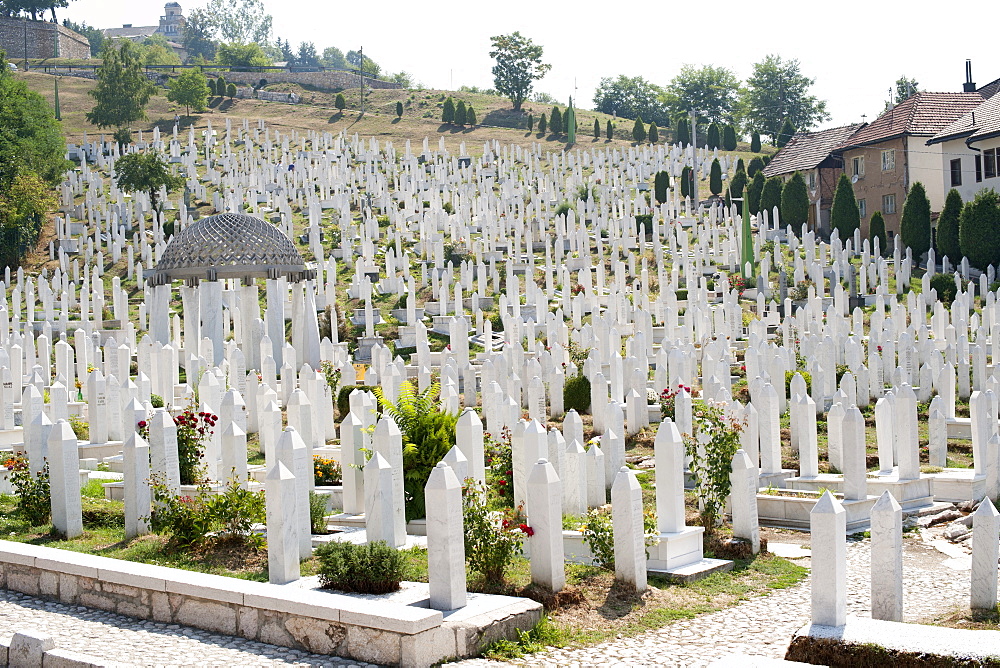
column 683, row 131
column 399, row 109
column 555, row 122
column 340, row 102
column 715, row 177
column 470, row 116
column 794, row 202
column 654, row 135
column 609, row 131
column 531, row 122
column 639, row 130
column 844, row 215
column 947, row 227
column 754, row 192
column 460, row 113
column 755, row 142
column 661, row 182
column 713, row 136
column 756, row 164
column 729, row 138
column 915, row 224
column 686, row 175
column 977, row 229
column 786, row 132
column 448, row 111
column 770, row 197
column 876, row 229
column 597, row 129
column 541, row 124
column 211, row 87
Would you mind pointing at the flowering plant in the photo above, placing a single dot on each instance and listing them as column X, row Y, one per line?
column 193, row 430
column 33, row 492
column 492, row 537
column 668, row 400
column 326, row 471
column 711, row 448
column 500, row 467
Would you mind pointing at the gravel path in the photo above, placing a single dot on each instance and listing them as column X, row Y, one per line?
column 934, row 583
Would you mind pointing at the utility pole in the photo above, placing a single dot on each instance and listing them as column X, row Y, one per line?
column 362, row 68
column 694, row 159
column 25, row 41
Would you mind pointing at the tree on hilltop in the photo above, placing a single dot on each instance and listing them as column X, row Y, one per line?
column 122, row 90
column 189, row 89
column 518, row 65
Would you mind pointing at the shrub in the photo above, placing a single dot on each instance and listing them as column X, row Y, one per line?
column 211, row 87
column 207, row 517
column 34, row 502
column 470, row 116
column 500, row 467
column 220, row 86
column 755, row 142
column 399, row 109
column 193, row 429
column 711, row 449
column 738, row 185
column 638, row 130
column 713, row 139
column 794, row 202
column 231, row 91
column 326, row 471
column 428, row 435
column 715, row 177
column 770, row 197
column 947, row 227
column 944, row 285
column 373, row 568
column 448, row 111
column 556, row 121
column 340, row 103
column 844, row 216
column 687, row 175
column 729, row 138
column 317, row 513
column 915, row 223
column 683, row 131
column 661, row 182
column 806, row 376
column 156, row 401
column 492, row 538
column 654, row 135
column 756, row 164
column 644, row 220
column 755, row 190
column 598, row 535
column 564, row 208
column 876, row 229
column 576, row 393
column 531, row 122
column 977, row 228
column 81, row 428
column 460, row 113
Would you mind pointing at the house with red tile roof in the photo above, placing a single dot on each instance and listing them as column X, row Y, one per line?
column 811, row 154
column 889, row 154
column 970, row 150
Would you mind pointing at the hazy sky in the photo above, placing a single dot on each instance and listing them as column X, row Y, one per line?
column 854, row 52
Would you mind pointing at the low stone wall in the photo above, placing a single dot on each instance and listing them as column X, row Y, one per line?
column 319, row 622
column 322, row 80
column 45, row 40
column 32, row 648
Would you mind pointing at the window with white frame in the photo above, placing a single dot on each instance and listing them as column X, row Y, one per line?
column 889, row 160
column 888, row 204
column 812, row 180
column 858, row 166
column 862, row 208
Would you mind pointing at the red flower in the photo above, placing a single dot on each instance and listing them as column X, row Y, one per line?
column 142, row 424
column 527, row 530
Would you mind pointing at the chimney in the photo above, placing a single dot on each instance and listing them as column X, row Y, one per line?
column 969, row 86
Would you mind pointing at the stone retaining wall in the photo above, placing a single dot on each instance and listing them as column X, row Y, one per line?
column 319, row 622
column 331, row 81
column 45, row 40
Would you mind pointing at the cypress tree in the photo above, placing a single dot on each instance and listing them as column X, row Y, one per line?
column 340, row 103
column 876, row 228
column 740, row 167
column 448, row 112
column 786, row 132
column 844, row 215
column 541, row 124
column 609, row 130
column 794, row 202
column 556, row 121
column 729, row 137
column 737, row 185
column 715, row 177
column 770, row 197
column 754, row 192
column 399, row 109
column 915, row 224
column 654, row 135
column 977, row 228
column 597, row 129
column 531, row 122
column 231, row 91
column 755, row 142
column 661, row 182
column 713, row 136
column 766, row 159
column 460, row 113
column 639, row 130
column 470, row 116
column 683, row 131
column 756, row 164
column 211, row 87
column 220, row 86
column 686, row 182
column 947, row 227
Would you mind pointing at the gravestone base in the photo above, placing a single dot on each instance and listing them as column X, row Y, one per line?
column 413, row 527
column 957, row 485
column 792, row 512
column 677, row 549
column 910, row 494
column 776, row 479
column 10, row 437
column 959, row 428
column 694, row 571
column 831, row 481
column 365, row 345
column 100, row 450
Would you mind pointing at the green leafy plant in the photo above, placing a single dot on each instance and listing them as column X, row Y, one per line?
column 317, row 513
column 598, row 535
column 81, row 428
column 373, row 568
column 576, row 393
column 207, row 517
column 344, row 398
column 500, row 467
column 156, row 401
column 492, row 537
column 711, row 448
column 193, row 430
column 944, row 284
column 34, row 501
column 428, row 435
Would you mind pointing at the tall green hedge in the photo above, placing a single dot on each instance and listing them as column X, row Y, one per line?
column 947, row 227
column 844, row 216
column 770, row 197
column 876, row 229
column 795, row 202
column 915, row 224
column 977, row 229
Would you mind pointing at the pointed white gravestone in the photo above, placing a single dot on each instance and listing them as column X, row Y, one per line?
column 985, row 552
column 828, row 527
column 745, row 480
column 380, row 508
column 64, row 481
column 445, row 539
column 887, row 559
column 629, row 534
column 138, row 500
column 282, row 525
column 291, row 451
column 548, row 568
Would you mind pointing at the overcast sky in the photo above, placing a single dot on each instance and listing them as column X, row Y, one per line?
column 854, row 52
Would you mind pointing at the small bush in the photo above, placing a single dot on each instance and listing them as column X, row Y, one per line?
column 340, row 102
column 944, row 284
column 317, row 513
column 344, row 398
column 806, row 376
column 34, row 502
column 644, row 220
column 576, row 394
column 81, row 428
column 599, row 536
column 492, row 537
column 375, row 568
column 156, row 401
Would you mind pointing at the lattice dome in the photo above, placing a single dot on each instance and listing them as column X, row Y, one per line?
column 230, row 245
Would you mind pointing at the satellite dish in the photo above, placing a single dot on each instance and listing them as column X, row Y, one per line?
column 854, row 179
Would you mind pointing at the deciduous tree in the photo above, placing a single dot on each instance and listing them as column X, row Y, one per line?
column 777, row 90
column 146, row 172
column 518, row 65
column 628, row 97
column 189, row 89
column 122, row 90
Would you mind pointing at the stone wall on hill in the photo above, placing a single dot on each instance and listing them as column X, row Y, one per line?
column 45, row 40
column 331, row 81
